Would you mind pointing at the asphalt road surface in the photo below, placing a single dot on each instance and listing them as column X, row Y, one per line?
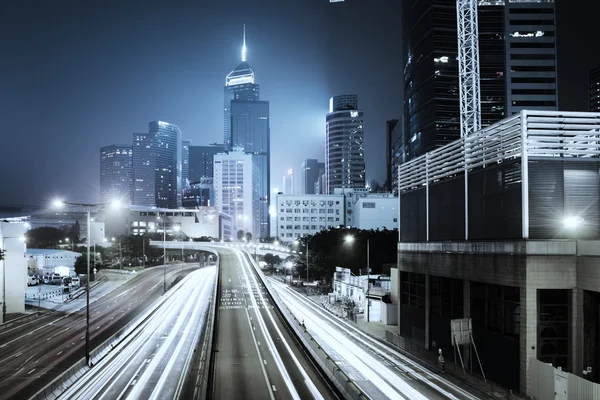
column 34, row 353
column 255, row 356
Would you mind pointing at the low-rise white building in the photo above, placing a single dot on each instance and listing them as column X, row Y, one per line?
column 300, row 215
column 49, row 261
column 13, row 277
column 376, row 211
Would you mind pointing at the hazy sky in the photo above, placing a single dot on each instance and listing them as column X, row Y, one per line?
column 78, row 75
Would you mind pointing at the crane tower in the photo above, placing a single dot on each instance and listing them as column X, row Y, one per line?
column 468, row 66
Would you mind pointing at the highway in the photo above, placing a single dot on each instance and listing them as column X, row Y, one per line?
column 379, row 370
column 255, row 356
column 34, row 353
column 152, row 362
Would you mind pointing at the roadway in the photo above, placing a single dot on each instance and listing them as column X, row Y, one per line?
column 379, row 370
column 255, row 357
column 153, row 360
column 34, row 353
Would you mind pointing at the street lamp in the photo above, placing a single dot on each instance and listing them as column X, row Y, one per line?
column 88, row 206
column 350, row 239
column 177, row 228
column 120, row 253
column 164, row 256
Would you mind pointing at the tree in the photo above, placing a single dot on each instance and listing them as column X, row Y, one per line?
column 272, row 260
column 81, row 264
column 240, row 235
column 44, row 237
column 248, row 237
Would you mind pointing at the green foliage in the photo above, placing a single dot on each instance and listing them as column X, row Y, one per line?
column 81, row 264
column 248, row 237
column 240, row 234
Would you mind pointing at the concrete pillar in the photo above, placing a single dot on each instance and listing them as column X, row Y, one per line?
column 399, row 312
column 576, row 330
column 527, row 335
column 427, row 308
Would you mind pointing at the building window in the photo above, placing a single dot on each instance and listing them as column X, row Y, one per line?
column 413, row 289
column 368, row 204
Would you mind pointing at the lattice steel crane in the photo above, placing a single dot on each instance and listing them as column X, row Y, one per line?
column 468, row 66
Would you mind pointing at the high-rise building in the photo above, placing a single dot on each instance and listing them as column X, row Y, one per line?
column 201, row 160
column 393, row 141
column 288, row 182
column 143, row 160
column 250, row 131
column 157, row 166
column 234, row 174
column 116, row 173
column 310, row 174
column 247, row 127
column 344, row 153
column 185, row 162
column 594, row 86
column 239, row 85
column 168, row 167
column 517, row 62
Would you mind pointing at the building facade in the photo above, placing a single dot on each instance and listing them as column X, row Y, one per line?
column 234, row 176
column 376, row 211
column 167, row 164
column 116, row 173
column 300, row 215
column 287, row 182
column 513, row 245
column 185, row 162
column 143, row 160
column 344, row 148
column 517, row 60
column 201, row 161
column 311, row 170
column 594, row 89
column 250, row 130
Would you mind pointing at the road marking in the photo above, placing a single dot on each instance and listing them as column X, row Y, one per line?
column 59, row 353
column 18, row 354
column 30, row 371
column 265, row 361
column 274, row 388
column 258, row 343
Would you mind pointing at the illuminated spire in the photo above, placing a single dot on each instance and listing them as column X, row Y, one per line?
column 244, row 46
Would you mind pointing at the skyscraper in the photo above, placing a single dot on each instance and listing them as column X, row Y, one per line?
column 116, row 173
column 168, row 166
column 250, row 131
column 247, row 127
column 594, row 87
column 344, row 154
column 234, row 180
column 239, row 85
column 288, row 182
column 185, row 162
column 517, row 67
column 311, row 170
column 143, row 160
column 393, row 139
column 201, row 160
column 157, row 166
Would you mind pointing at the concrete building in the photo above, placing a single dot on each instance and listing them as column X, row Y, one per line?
column 116, row 173
column 234, row 178
column 144, row 184
column 287, row 182
column 136, row 220
column 300, row 215
column 376, row 211
column 49, row 261
column 344, row 146
column 13, row 277
column 513, row 245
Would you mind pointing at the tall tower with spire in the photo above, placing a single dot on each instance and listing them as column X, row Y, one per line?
column 247, row 127
column 239, row 85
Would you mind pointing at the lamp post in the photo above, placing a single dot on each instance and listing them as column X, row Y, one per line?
column 164, row 256
column 350, row 239
column 120, row 253
column 88, row 207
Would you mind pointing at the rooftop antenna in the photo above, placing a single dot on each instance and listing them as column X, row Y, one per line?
column 244, row 46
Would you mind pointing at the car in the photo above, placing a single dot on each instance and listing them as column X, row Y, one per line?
column 75, row 282
column 32, row 280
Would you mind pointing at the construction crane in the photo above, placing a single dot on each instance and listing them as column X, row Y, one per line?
column 468, row 66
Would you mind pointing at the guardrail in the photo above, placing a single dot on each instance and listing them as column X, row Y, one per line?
column 21, row 320
column 343, row 383
column 206, row 354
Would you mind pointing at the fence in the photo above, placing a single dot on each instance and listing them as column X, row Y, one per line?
column 549, row 383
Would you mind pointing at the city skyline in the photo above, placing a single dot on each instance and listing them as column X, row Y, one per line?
column 96, row 76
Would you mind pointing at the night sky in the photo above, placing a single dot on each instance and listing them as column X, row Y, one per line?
column 79, row 75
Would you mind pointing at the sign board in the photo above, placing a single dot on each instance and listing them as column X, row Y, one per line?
column 461, row 330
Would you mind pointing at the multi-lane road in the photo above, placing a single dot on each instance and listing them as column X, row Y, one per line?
column 34, row 353
column 255, row 356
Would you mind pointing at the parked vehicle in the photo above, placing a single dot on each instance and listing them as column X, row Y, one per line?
column 75, row 282
column 32, row 280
